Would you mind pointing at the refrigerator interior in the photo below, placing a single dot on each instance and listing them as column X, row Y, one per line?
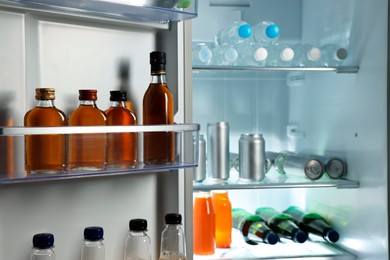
column 69, row 52
column 324, row 113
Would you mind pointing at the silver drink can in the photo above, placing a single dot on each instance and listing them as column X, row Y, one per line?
column 335, row 168
column 218, row 161
column 252, row 159
column 200, row 171
column 298, row 165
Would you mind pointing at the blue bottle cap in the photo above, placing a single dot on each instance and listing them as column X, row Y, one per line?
column 245, row 31
column 272, row 31
column 93, row 233
column 43, row 240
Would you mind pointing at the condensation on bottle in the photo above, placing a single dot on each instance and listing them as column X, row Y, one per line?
column 236, row 33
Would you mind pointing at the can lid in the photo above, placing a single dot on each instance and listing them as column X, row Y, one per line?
column 88, row 94
column 335, row 168
column 138, row 224
column 43, row 240
column 118, row 95
column 93, row 233
column 173, row 218
column 314, row 169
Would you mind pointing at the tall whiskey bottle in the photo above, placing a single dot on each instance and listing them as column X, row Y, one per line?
column 45, row 153
column 159, row 147
column 312, row 223
column 87, row 152
column 121, row 147
column 282, row 224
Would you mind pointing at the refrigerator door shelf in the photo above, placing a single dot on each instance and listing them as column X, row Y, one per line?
column 147, row 11
column 186, row 141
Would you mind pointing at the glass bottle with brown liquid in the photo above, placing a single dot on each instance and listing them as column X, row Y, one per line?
column 159, row 147
column 121, row 147
column 45, row 153
column 87, row 152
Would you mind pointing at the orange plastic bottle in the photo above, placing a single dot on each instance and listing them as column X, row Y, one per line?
column 204, row 227
column 223, row 218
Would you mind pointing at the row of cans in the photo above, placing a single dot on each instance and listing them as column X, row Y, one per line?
column 253, row 162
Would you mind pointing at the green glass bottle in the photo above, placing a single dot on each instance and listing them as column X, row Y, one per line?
column 312, row 223
column 248, row 223
column 282, row 224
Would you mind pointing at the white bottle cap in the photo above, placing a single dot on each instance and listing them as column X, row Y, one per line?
column 314, row 54
column 261, row 54
column 287, row 54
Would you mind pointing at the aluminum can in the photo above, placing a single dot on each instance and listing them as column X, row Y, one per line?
column 335, row 168
column 200, row 171
column 252, row 159
column 302, row 166
column 218, row 161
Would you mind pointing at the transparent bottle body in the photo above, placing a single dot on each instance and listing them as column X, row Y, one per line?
column 224, row 55
column 45, row 153
column 266, row 32
column 252, row 54
column 280, row 55
column 93, row 250
column 173, row 243
column 333, row 55
column 201, row 54
column 137, row 246
column 236, row 33
column 42, row 254
column 307, row 55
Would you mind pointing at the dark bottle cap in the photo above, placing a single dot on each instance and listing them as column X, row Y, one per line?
column 299, row 236
column 93, row 233
column 157, row 62
column 331, row 235
column 173, row 218
column 88, row 94
column 270, row 238
column 118, row 95
column 138, row 224
column 43, row 240
column 45, row 94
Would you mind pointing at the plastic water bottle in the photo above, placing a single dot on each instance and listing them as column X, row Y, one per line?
column 92, row 247
column 173, row 246
column 224, row 55
column 266, row 32
column 280, row 55
column 307, row 55
column 43, row 244
column 137, row 245
column 201, row 54
column 252, row 54
column 333, row 55
column 236, row 33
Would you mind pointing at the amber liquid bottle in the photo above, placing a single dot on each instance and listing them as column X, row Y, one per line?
column 45, row 153
column 121, row 147
column 87, row 152
column 159, row 147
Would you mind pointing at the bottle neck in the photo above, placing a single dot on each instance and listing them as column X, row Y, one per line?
column 88, row 103
column 118, row 104
column 158, row 79
column 45, row 103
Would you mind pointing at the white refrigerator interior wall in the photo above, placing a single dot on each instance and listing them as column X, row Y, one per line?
column 338, row 114
column 39, row 50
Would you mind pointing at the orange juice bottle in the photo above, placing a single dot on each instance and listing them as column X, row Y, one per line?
column 204, row 241
column 223, row 218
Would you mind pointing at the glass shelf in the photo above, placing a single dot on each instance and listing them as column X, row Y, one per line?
column 274, row 180
column 340, row 69
column 153, row 11
column 186, row 141
column 285, row 249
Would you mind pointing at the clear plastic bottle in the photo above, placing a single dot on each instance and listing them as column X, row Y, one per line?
column 266, row 32
column 138, row 245
column 43, row 247
column 92, row 247
column 173, row 246
column 280, row 55
column 252, row 54
column 201, row 54
column 333, row 55
column 224, row 55
column 236, row 33
column 307, row 55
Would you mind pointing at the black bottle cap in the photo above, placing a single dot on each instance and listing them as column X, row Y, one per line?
column 43, row 240
column 299, row 236
column 331, row 235
column 118, row 95
column 270, row 238
column 157, row 62
column 138, row 224
column 173, row 218
column 93, row 233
